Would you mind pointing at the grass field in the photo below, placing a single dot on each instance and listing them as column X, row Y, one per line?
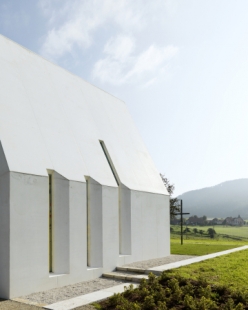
column 231, row 270
column 222, row 232
column 201, row 244
column 202, row 247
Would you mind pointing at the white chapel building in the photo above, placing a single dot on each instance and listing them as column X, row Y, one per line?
column 79, row 193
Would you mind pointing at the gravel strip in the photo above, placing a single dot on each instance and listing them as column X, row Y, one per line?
column 82, row 288
column 13, row 305
column 146, row 264
column 70, row 291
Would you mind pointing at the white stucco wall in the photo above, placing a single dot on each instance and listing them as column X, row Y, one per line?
column 52, row 122
column 24, row 260
column 4, row 225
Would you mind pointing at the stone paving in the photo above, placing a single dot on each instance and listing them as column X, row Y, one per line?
column 145, row 264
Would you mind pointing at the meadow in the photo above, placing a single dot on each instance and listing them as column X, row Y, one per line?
column 196, row 243
column 222, row 232
column 230, row 269
column 202, row 247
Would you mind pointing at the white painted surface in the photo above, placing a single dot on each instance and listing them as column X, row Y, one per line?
column 149, row 226
column 4, row 226
column 125, row 218
column 110, row 232
column 88, row 298
column 60, row 119
column 78, row 231
column 53, row 120
column 95, row 229
column 60, row 224
column 28, row 245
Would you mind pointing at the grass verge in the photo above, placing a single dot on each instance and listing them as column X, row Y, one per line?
column 202, row 247
column 230, row 269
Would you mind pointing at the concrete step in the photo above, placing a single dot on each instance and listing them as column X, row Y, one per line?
column 131, row 269
column 125, row 275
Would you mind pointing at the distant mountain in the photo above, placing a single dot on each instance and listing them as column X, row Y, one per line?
column 226, row 199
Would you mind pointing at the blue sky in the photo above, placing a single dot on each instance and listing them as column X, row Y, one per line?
column 180, row 66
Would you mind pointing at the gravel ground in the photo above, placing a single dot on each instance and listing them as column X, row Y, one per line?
column 13, row 305
column 146, row 264
column 70, row 291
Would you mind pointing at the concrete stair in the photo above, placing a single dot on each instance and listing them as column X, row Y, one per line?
column 127, row 274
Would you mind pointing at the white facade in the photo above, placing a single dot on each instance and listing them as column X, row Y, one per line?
column 109, row 205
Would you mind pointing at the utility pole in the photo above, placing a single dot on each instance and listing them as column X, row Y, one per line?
column 181, row 215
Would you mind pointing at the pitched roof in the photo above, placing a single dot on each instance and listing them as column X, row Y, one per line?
column 52, row 119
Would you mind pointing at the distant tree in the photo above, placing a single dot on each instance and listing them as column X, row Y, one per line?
column 187, row 229
column 171, row 229
column 211, row 232
column 195, row 230
column 174, row 207
column 205, row 220
column 204, row 217
column 201, row 231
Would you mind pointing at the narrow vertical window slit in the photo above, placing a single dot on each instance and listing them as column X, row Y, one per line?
column 50, row 224
column 88, row 222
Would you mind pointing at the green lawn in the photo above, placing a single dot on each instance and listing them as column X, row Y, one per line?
column 202, row 247
column 230, row 270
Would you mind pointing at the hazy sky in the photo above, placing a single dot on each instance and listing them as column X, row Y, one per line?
column 180, row 66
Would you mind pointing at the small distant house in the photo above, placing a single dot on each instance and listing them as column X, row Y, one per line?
column 228, row 221
column 195, row 220
column 236, row 221
column 216, row 221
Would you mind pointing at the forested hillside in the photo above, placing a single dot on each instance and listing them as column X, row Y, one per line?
column 226, row 199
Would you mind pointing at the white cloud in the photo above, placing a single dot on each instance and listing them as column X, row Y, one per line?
column 77, row 24
column 123, row 67
column 151, row 59
column 62, row 41
column 150, row 82
column 108, row 70
column 120, row 48
column 75, row 30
